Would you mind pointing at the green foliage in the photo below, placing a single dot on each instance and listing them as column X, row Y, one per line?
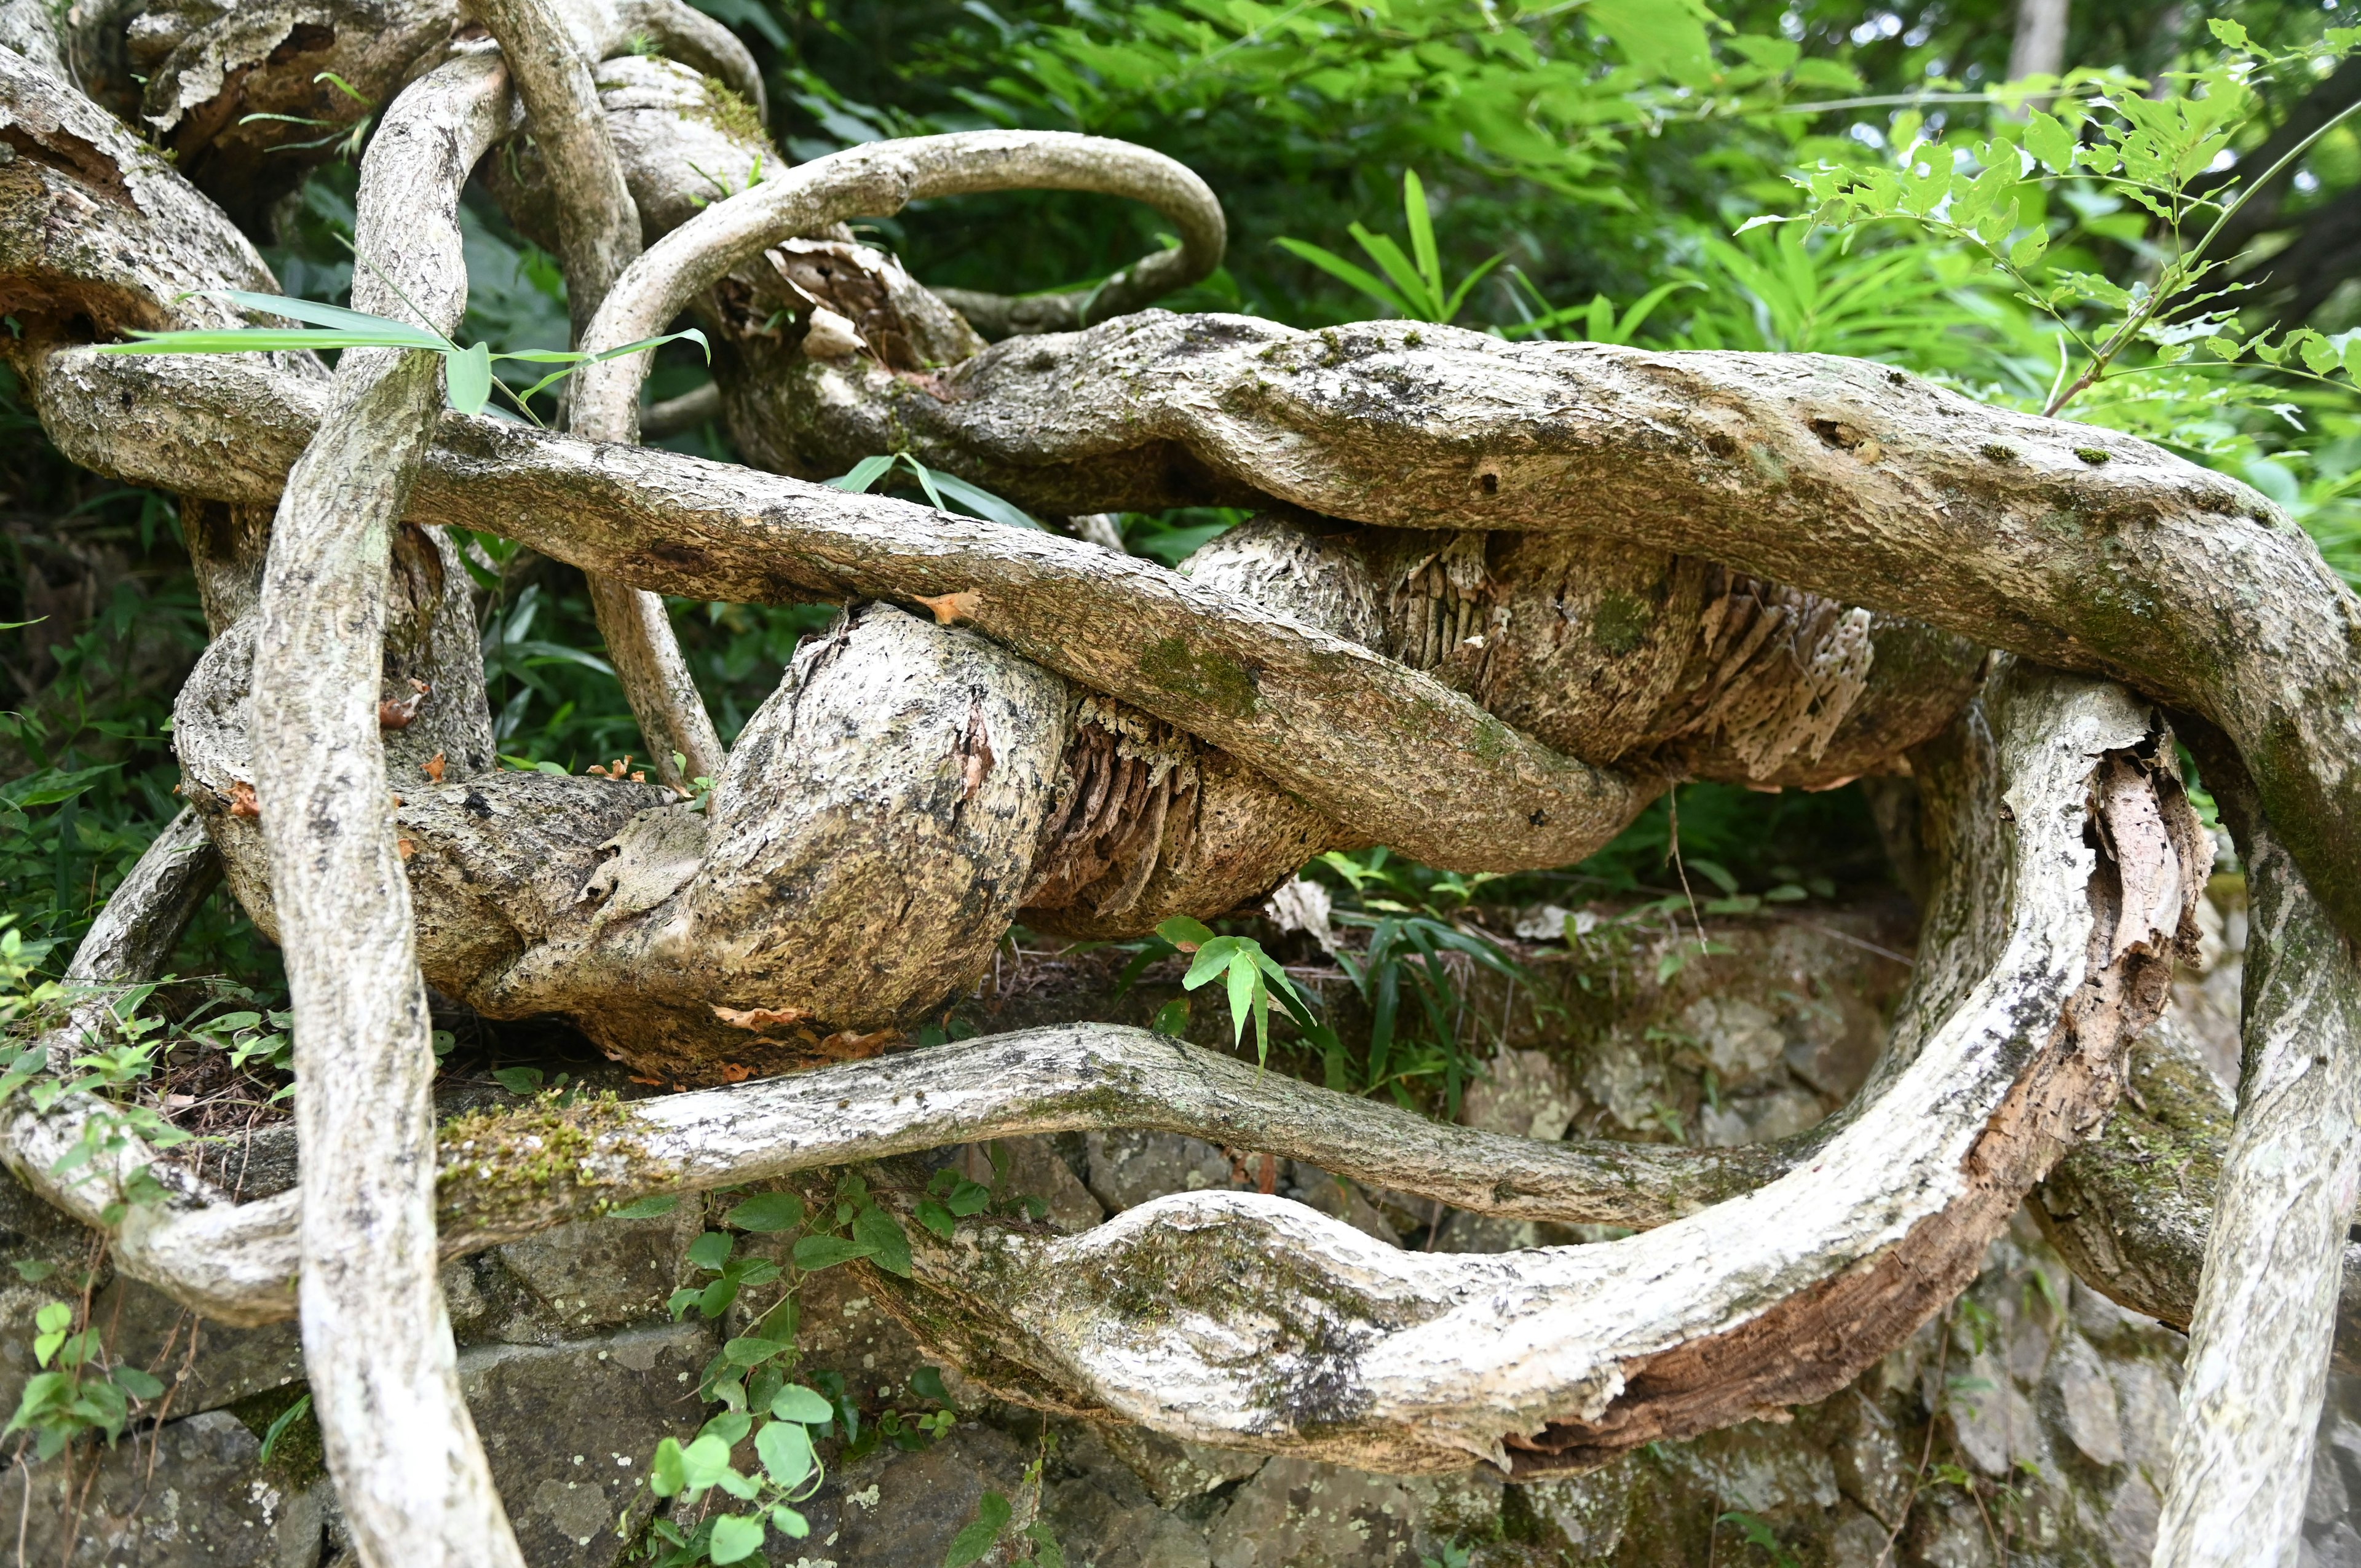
column 1413, row 939
column 2114, row 143
column 1416, row 290
column 758, row 1449
column 1759, row 1535
column 1251, row 978
column 468, row 372
column 941, row 488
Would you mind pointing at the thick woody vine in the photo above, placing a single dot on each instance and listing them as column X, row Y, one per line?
column 1496, row 598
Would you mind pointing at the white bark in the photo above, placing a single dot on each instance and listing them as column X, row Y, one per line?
column 376, row 1341
column 877, row 181
column 2267, row 1303
column 599, row 236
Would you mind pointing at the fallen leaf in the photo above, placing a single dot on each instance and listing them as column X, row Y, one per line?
column 948, row 608
column 761, row 1018
column 404, row 848
column 432, row 767
column 850, row 1045
column 733, row 1072
column 241, row 799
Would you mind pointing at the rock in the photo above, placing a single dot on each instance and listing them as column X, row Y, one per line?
column 1296, row 1513
column 569, row 1430
column 912, row 1505
column 1583, row 1516
column 1759, row 1118
column 2338, row 1546
column 1522, row 1094
column 1865, row 1451
column 204, row 1501
column 1106, row 1518
column 846, row 1331
column 594, row 1275
column 1337, row 1198
column 2087, row 1401
column 1757, row 1468
column 207, row 1365
column 1127, row 1168
column 1628, row 1081
column 36, row 1239
column 1173, row 1472
column 1740, row 1038
column 1993, row 1420
column 1858, row 1540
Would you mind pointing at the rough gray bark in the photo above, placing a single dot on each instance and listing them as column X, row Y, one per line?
column 376, row 1339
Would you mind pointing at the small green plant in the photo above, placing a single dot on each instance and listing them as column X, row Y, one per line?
column 748, row 1378
column 75, row 1390
column 1409, row 950
column 941, row 488
column 1252, row 977
column 1597, row 322
column 993, row 1525
column 467, row 371
column 348, row 143
column 1416, row 291
column 1758, row 1534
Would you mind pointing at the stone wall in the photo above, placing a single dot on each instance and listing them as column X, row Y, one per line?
column 2029, row 1424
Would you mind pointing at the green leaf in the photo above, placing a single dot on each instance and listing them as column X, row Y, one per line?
column 888, row 1243
column 734, row 1539
column 687, row 335
column 751, row 1351
column 2047, row 139
column 2230, row 35
column 816, row 1252
column 861, row 475
column 785, row 1448
column 648, row 1208
column 968, row 1198
column 1336, row 267
column 1420, row 218
column 470, row 374
column 277, row 1427
column 666, row 1472
column 51, row 785
column 1172, row 1019
column 768, row 1213
column 1184, row 933
column 1245, row 985
column 934, row 1217
column 981, row 1534
column 406, row 334
column 981, row 501
column 517, row 1080
column 140, row 1385
column 797, row 1403
column 789, row 1523
column 711, row 1250
column 1660, row 37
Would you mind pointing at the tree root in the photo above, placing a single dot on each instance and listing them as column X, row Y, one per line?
column 377, row 1341
column 2267, row 1302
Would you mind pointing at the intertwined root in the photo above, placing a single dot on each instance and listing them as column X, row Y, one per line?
column 1425, row 646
